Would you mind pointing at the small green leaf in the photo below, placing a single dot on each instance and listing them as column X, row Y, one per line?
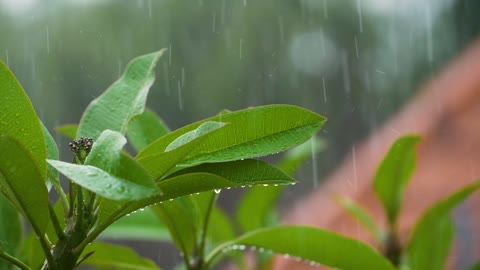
column 141, row 225
column 158, row 164
column 116, row 257
column 145, row 128
column 311, row 244
column 394, row 173
column 430, row 241
column 124, row 99
column 22, row 183
column 10, row 231
column 20, row 121
column 361, row 215
column 252, row 132
column 69, row 131
column 52, row 153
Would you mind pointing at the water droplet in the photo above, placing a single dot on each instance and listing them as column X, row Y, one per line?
column 121, row 189
column 217, row 191
column 265, row 185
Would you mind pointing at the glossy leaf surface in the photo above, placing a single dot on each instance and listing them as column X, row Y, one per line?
column 311, row 244
column 251, row 133
column 124, row 99
column 145, row 128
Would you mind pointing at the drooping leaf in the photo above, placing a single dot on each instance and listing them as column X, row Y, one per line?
column 10, row 231
column 431, row 239
column 311, row 244
column 145, row 128
column 393, row 174
column 20, row 121
column 141, row 225
column 22, row 183
column 361, row 215
column 124, row 99
column 70, row 130
column 110, row 256
column 52, row 153
column 251, row 133
column 160, row 163
column 247, row 172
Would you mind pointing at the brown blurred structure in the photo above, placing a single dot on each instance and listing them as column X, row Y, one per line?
column 446, row 113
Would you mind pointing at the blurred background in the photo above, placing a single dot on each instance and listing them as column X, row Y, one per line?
column 353, row 61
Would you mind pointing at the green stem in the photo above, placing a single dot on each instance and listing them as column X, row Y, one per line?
column 203, row 237
column 61, row 194
column 55, row 222
column 45, row 246
column 215, row 252
column 14, row 260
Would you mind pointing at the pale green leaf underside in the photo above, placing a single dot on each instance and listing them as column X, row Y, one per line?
column 312, row 244
column 124, row 99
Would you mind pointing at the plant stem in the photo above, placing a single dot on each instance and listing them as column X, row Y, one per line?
column 55, row 222
column 203, row 237
column 14, row 260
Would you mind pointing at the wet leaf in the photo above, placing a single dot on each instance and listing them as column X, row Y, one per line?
column 116, row 257
column 19, row 120
column 124, row 99
column 22, row 183
column 432, row 236
column 69, row 131
column 311, row 244
column 393, row 174
column 251, row 133
column 145, row 128
column 52, row 153
column 10, row 231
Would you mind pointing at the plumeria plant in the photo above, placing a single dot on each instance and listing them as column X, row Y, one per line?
column 177, row 175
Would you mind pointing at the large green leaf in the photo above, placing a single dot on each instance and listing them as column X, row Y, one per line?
column 252, row 132
column 19, row 120
column 310, row 244
column 145, row 128
column 160, row 163
column 22, row 183
column 10, row 231
column 110, row 256
column 430, row 241
column 394, row 173
column 141, row 225
column 124, row 99
column 110, row 172
column 258, row 203
column 233, row 174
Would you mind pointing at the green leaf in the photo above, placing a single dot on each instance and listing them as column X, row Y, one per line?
column 296, row 157
column 116, row 257
column 361, row 215
column 124, row 99
column 203, row 129
column 179, row 224
column 220, row 228
column 310, row 244
column 22, row 183
column 160, row 163
column 252, row 132
column 109, row 172
column 145, row 128
column 10, row 231
column 31, row 252
column 52, row 153
column 141, row 225
column 431, row 238
column 20, row 121
column 70, row 130
column 231, row 174
column 393, row 175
